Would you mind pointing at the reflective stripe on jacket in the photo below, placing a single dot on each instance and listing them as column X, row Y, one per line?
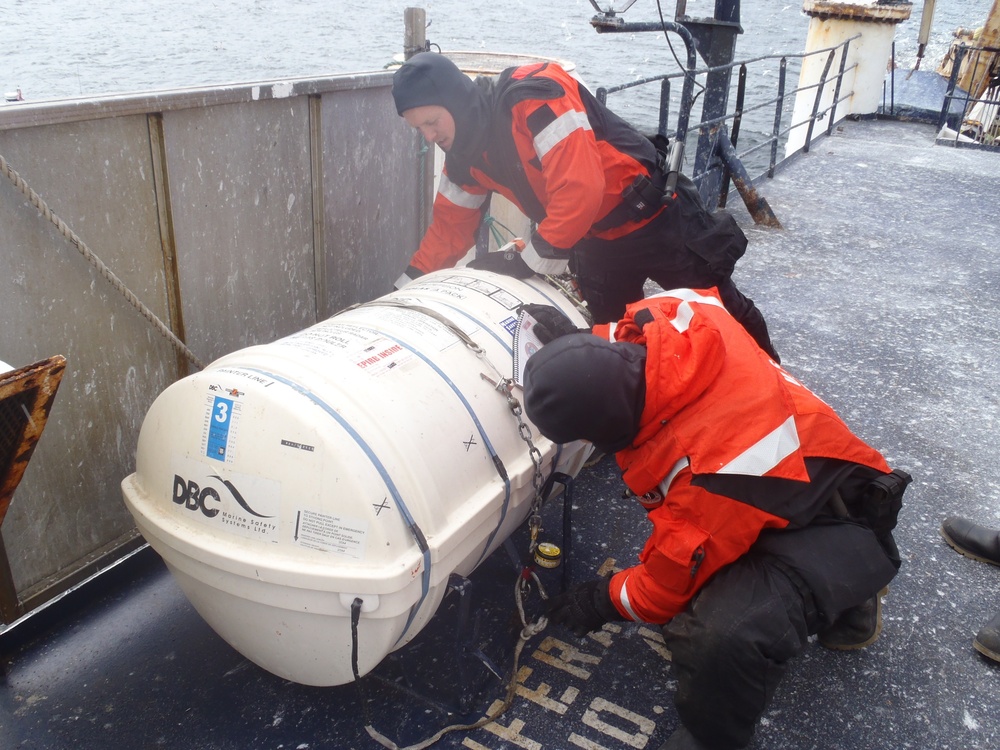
column 715, row 404
column 555, row 152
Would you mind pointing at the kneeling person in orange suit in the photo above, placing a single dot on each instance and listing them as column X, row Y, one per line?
column 771, row 520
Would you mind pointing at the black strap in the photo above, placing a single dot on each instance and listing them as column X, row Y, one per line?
column 885, row 500
column 362, row 693
column 643, row 317
column 643, row 199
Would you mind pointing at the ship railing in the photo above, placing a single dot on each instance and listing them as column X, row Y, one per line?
column 979, row 125
column 766, row 125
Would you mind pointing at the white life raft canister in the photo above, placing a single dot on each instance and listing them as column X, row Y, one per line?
column 363, row 458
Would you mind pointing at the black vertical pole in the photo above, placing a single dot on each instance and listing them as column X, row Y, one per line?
column 715, row 39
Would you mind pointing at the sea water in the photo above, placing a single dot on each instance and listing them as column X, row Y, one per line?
column 72, row 48
column 81, row 48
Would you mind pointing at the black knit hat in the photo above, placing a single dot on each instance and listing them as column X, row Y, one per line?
column 430, row 78
column 581, row 387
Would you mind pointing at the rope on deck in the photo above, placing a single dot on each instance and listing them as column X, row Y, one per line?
column 529, row 629
column 106, row 272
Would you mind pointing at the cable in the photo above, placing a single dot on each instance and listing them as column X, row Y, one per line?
column 677, row 59
column 528, row 631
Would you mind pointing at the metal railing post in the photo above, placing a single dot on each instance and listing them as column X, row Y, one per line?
column 836, row 88
column 778, row 109
column 892, row 84
column 819, row 96
column 741, row 90
column 687, row 91
column 664, row 106
column 950, row 91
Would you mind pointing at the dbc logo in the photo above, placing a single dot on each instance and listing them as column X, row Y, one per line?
column 192, row 497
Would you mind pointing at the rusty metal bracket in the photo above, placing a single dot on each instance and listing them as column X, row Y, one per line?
column 26, row 397
column 756, row 204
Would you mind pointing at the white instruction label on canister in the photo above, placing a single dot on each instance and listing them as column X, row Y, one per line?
column 486, row 288
column 337, row 534
column 327, row 339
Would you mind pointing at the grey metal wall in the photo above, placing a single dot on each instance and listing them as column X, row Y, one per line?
column 237, row 214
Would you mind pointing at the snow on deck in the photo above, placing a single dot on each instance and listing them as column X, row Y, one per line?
column 882, row 292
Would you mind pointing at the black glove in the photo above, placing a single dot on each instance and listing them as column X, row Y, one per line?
column 552, row 322
column 584, row 608
column 411, row 273
column 509, row 263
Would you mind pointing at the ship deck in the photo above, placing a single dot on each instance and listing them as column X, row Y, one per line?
column 881, row 291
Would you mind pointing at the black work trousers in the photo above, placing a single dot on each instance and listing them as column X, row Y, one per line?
column 731, row 646
column 685, row 246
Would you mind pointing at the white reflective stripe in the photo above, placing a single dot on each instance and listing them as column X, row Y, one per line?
column 456, row 195
column 612, row 327
column 684, row 311
column 682, row 320
column 688, row 295
column 681, row 464
column 544, row 266
column 623, row 599
column 766, row 453
column 558, row 129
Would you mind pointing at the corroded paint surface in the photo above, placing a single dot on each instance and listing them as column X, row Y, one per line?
column 859, row 12
column 30, row 391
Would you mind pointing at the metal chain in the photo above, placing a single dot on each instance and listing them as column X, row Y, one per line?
column 505, row 386
column 568, row 286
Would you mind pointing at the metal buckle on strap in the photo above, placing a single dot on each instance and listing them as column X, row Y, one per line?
column 641, row 200
column 654, row 498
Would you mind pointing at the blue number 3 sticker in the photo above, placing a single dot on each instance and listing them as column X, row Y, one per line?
column 218, row 430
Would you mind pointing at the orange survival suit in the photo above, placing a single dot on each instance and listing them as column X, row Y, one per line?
column 771, row 521
column 592, row 184
column 717, row 411
column 552, row 151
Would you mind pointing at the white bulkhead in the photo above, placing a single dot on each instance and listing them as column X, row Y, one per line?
column 364, row 457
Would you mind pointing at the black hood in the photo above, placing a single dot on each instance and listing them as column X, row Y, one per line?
column 581, row 387
column 429, row 78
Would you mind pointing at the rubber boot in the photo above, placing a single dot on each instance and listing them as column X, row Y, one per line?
column 987, row 641
column 682, row 739
column 856, row 627
column 972, row 540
